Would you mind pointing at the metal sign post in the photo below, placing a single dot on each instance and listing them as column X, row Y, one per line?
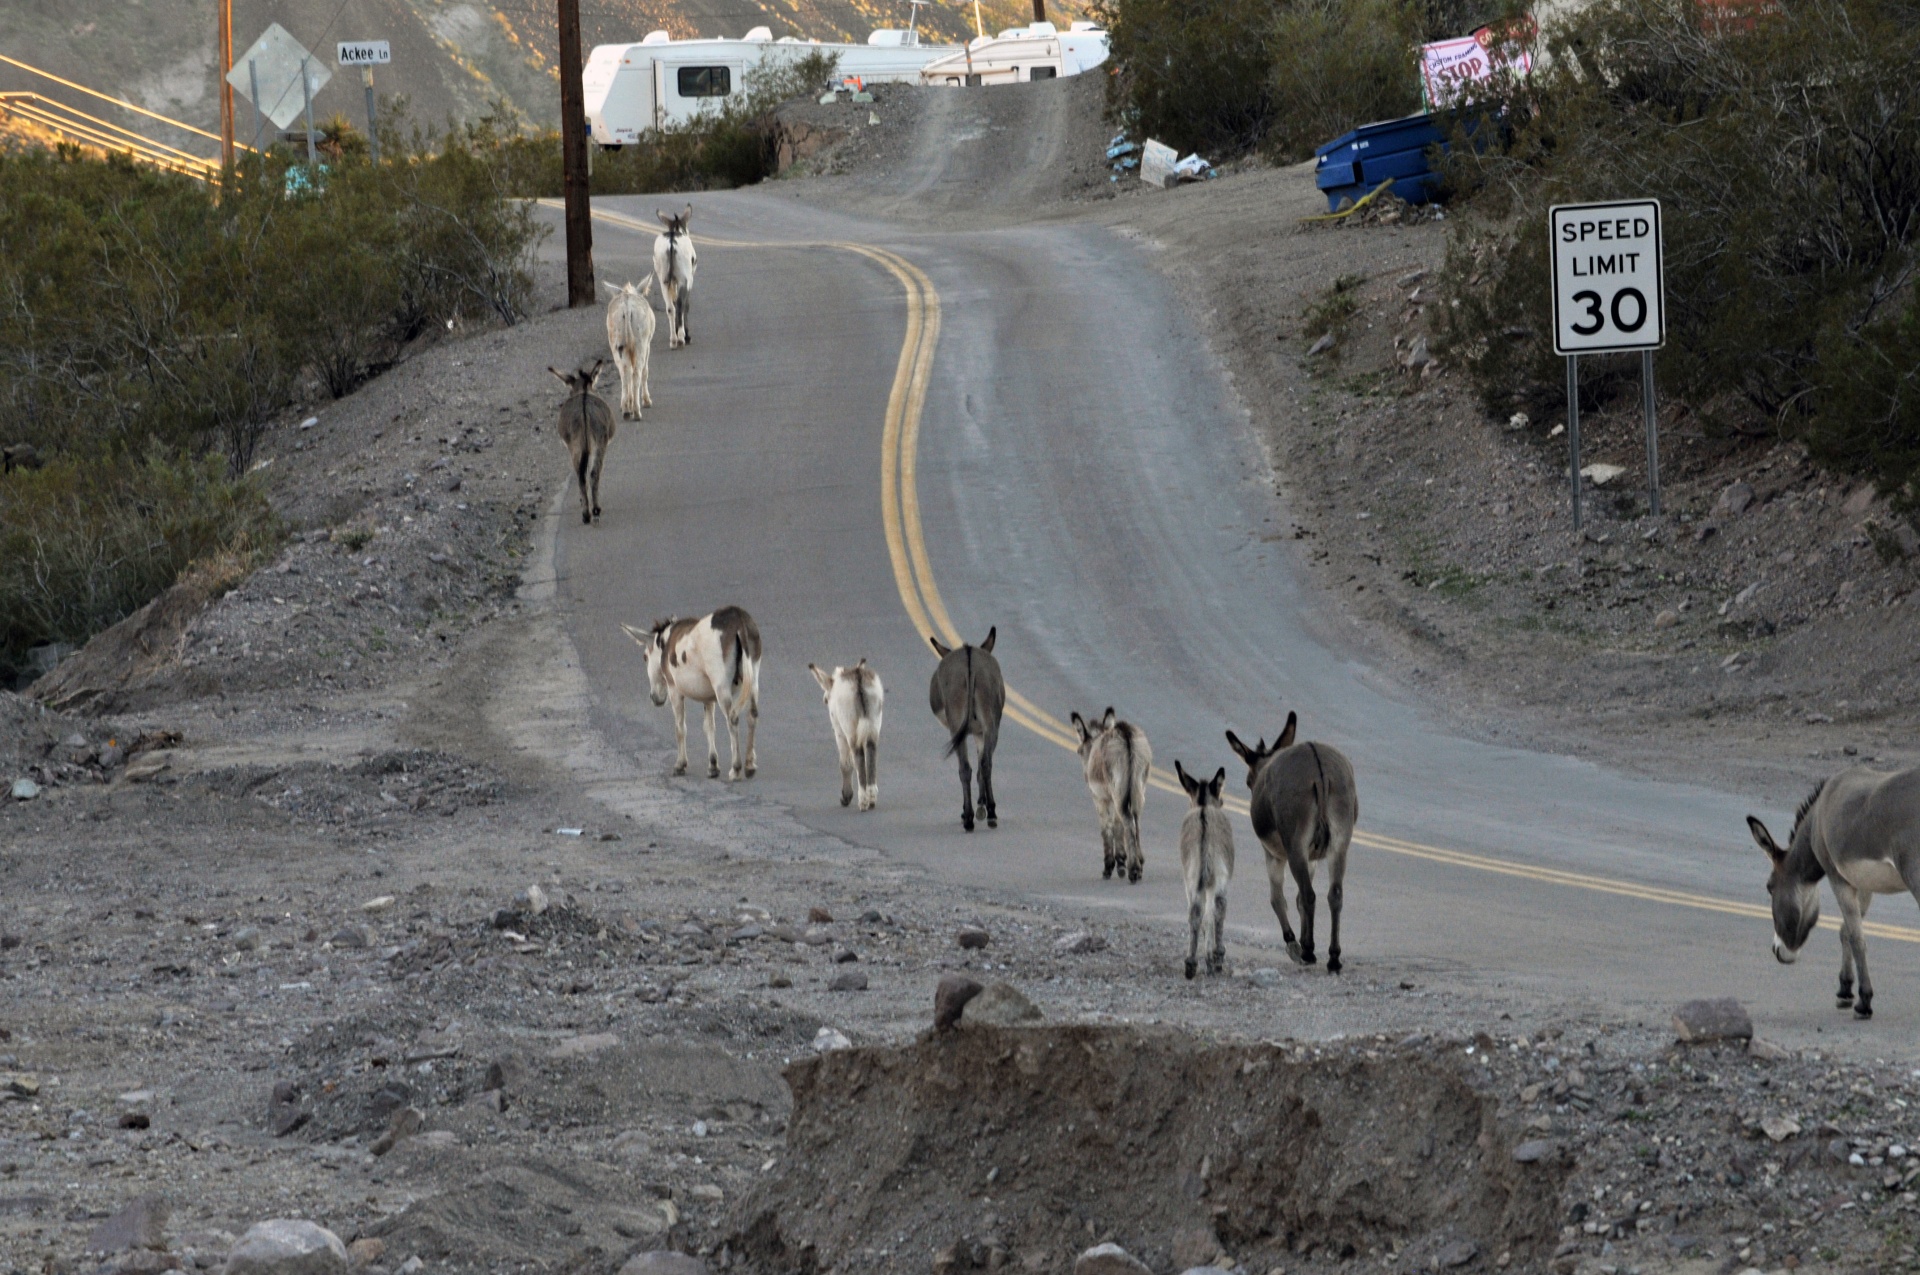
column 1609, row 297
column 253, row 78
column 306, row 92
column 366, row 54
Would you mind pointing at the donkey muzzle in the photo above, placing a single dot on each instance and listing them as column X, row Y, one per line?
column 1782, row 953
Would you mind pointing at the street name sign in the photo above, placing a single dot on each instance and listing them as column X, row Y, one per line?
column 364, row 53
column 1609, row 290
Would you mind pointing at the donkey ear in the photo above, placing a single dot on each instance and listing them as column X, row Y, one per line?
column 825, row 679
column 687, row 216
column 1219, row 781
column 637, row 635
column 1079, row 725
column 1245, row 754
column 1106, row 723
column 992, row 633
column 942, row 651
column 1764, row 839
column 560, row 376
column 1186, row 780
column 664, row 219
column 1286, row 736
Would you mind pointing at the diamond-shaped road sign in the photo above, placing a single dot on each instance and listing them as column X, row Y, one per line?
column 278, row 59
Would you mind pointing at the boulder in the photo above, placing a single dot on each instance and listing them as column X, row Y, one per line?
column 848, row 981
column 1736, row 499
column 663, row 1262
column 950, row 1000
column 141, row 1224
column 288, row 1246
column 1109, row 1259
column 1699, row 1022
column 1001, row 1005
column 972, row 936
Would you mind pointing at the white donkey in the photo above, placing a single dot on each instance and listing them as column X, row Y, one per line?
column 1206, row 863
column 1117, row 759
column 854, row 699
column 630, row 326
column 714, row 661
column 673, row 263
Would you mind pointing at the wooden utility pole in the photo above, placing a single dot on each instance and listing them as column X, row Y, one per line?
column 574, row 179
column 225, row 41
column 1039, row 10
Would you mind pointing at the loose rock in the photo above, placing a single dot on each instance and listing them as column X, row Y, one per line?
column 141, row 1224
column 1458, row 1253
column 405, row 1123
column 819, row 916
column 848, row 981
column 1109, row 1259
column 950, row 1000
column 286, row 1246
column 1532, row 1152
column 1706, row 1020
column 663, row 1262
column 972, row 936
column 1080, row 942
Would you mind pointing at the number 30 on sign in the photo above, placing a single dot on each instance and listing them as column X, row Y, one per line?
column 1609, row 292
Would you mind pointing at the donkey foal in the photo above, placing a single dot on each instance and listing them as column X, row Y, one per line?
column 714, row 661
column 854, row 699
column 1206, row 862
column 674, row 260
column 1118, row 759
column 630, row 328
column 1304, row 805
column 586, row 425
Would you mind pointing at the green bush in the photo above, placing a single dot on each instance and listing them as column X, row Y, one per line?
column 85, row 542
column 1192, row 73
column 1786, row 154
column 1337, row 64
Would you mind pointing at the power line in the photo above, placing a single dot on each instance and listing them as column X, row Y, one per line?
column 164, row 119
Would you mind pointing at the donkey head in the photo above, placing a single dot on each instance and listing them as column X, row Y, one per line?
column 1202, row 792
column 1256, row 755
column 1796, row 903
column 654, row 642
column 581, row 380
column 1089, row 733
column 943, row 650
column 676, row 224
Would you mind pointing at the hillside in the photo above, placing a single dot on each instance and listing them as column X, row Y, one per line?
column 451, row 57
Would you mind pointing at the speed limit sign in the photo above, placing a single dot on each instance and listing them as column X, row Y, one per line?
column 1609, row 297
column 1608, row 286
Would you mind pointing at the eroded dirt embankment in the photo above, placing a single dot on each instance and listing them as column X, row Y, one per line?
column 1037, row 1141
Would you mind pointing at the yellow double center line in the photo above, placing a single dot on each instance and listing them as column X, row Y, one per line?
column 913, row 578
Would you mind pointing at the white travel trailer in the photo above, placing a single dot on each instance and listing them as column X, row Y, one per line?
column 631, row 88
column 1015, row 56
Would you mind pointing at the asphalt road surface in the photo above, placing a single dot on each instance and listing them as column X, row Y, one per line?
column 877, row 433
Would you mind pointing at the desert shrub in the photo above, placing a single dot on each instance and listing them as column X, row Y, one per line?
column 85, row 541
column 1785, row 148
column 1192, row 73
column 1337, row 64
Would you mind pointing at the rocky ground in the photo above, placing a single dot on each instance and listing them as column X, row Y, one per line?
column 313, row 910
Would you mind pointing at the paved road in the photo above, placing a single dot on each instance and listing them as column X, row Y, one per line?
column 1085, row 483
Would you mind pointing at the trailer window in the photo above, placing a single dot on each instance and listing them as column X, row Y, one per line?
column 705, row 81
column 1043, row 73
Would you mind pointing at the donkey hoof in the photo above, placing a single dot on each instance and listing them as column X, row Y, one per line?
column 846, row 799
column 1333, row 965
column 586, row 516
column 1190, row 969
column 1864, row 1009
column 680, row 768
column 1133, row 875
column 966, row 820
column 751, row 770
column 1843, row 1001
column 993, row 821
column 1107, row 873
column 713, row 771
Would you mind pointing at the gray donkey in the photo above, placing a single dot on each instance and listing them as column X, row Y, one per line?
column 1304, row 805
column 1861, row 831
column 1117, row 759
column 967, row 695
column 586, row 423
column 1206, row 863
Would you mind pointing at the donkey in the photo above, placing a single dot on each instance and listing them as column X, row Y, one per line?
column 1861, row 831
column 854, row 700
column 586, row 423
column 630, row 327
column 714, row 661
column 967, row 695
column 1117, row 759
column 1304, row 805
column 673, row 263
column 1206, row 862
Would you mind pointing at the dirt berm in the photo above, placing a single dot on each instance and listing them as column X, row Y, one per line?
column 1022, row 1146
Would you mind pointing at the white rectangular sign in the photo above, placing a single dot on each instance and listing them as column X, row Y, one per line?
column 1450, row 69
column 1609, row 288
column 364, row 53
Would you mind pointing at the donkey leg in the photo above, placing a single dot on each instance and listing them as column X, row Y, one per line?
column 580, row 456
column 1109, row 853
column 646, row 380
column 753, row 726
column 1843, row 894
column 966, row 787
column 872, row 754
column 1862, row 1007
column 987, row 744
column 1219, row 961
column 737, row 765
column 713, row 739
column 599, row 463
column 1194, row 921
column 1276, row 892
column 1136, row 859
column 680, row 732
column 1302, row 869
column 847, row 768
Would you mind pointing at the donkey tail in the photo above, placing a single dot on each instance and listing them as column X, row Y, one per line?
column 739, row 659
column 1322, row 830
column 959, row 740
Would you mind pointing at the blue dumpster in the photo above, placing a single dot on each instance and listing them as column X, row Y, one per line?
column 1352, row 164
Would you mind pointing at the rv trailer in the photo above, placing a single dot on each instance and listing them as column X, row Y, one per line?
column 1021, row 54
column 631, row 88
